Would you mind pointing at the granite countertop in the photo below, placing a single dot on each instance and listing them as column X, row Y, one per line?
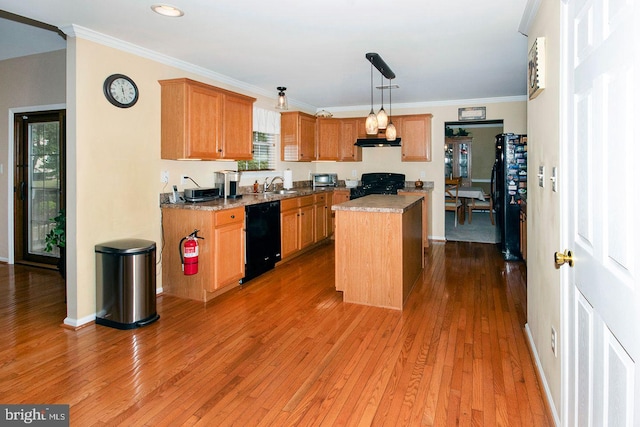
column 255, row 198
column 379, row 203
column 245, row 200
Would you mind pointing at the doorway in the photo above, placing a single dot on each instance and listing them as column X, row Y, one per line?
column 39, row 177
column 469, row 155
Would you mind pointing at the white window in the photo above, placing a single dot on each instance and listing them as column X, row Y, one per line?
column 264, row 153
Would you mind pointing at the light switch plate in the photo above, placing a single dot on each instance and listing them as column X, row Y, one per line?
column 554, row 179
column 541, row 176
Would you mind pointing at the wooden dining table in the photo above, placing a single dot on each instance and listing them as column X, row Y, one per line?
column 466, row 193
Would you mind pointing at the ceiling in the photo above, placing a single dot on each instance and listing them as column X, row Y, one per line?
column 439, row 50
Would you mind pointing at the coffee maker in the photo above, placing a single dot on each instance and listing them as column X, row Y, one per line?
column 228, row 183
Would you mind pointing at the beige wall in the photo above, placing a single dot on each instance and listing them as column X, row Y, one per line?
column 114, row 162
column 28, row 83
column 543, row 213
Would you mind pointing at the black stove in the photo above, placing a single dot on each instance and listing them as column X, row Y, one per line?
column 378, row 183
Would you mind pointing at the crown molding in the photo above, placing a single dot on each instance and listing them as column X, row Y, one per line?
column 115, row 43
column 529, row 14
column 428, row 104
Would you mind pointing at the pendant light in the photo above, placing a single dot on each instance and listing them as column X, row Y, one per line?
column 282, row 104
column 382, row 117
column 371, row 124
column 390, row 133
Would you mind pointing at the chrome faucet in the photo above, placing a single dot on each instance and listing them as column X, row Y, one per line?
column 269, row 184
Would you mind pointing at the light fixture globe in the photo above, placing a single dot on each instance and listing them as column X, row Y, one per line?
column 282, row 104
column 390, row 134
column 371, row 124
column 382, row 119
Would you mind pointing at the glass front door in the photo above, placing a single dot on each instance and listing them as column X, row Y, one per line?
column 39, row 183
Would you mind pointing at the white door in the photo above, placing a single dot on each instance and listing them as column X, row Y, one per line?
column 601, row 383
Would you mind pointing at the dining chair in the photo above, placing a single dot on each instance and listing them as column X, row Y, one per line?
column 451, row 201
column 477, row 204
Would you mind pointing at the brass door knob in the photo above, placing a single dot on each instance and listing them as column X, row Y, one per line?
column 566, row 257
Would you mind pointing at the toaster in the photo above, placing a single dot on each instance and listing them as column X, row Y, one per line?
column 201, row 194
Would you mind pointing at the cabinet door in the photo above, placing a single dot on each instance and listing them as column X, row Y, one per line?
column 341, row 196
column 415, row 132
column 347, row 151
column 320, row 220
column 298, row 136
column 328, row 139
column 306, row 224
column 203, row 124
column 289, row 232
column 229, row 254
column 307, row 138
column 328, row 214
column 238, row 127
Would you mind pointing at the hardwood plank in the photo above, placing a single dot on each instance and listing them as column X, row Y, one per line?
column 286, row 350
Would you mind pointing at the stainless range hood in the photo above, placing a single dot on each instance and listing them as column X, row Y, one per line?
column 376, row 142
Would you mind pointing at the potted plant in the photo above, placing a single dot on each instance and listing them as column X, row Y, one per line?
column 56, row 237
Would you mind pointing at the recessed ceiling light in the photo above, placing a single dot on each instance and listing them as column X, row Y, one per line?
column 166, row 10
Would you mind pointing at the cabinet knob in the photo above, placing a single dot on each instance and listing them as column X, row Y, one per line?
column 233, row 216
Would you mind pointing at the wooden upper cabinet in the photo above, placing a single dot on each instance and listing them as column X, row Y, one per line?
column 200, row 121
column 347, row 151
column 237, row 127
column 415, row 132
column 298, row 131
column 336, row 139
column 328, row 138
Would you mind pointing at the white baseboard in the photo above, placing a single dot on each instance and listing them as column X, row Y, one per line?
column 541, row 376
column 76, row 323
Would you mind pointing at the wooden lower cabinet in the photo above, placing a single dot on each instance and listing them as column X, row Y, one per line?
column 425, row 216
column 229, row 241
column 221, row 253
column 340, row 195
column 321, row 207
column 297, row 223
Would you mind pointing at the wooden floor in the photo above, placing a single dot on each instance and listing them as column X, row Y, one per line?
column 285, row 350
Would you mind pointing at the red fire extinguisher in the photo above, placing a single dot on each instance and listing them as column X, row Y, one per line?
column 189, row 257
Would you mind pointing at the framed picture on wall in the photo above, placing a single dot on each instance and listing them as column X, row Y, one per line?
column 536, row 68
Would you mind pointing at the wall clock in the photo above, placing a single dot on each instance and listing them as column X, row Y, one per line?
column 536, row 68
column 120, row 90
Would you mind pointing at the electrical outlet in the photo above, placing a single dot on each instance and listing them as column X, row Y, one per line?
column 354, row 173
column 554, row 342
column 541, row 176
column 554, row 179
column 423, row 175
column 183, row 179
column 164, row 177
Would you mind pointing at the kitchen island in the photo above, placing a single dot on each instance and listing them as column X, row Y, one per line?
column 378, row 249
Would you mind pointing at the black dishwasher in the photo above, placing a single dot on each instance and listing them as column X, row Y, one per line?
column 262, row 248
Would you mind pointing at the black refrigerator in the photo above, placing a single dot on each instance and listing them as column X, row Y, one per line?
column 509, row 189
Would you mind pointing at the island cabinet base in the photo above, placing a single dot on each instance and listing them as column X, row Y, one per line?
column 379, row 255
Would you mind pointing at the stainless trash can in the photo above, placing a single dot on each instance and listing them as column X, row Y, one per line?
column 126, row 283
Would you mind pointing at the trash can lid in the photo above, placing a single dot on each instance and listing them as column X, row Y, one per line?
column 126, row 246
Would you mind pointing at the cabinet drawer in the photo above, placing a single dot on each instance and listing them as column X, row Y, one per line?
column 320, row 199
column 306, row 200
column 229, row 216
column 292, row 203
